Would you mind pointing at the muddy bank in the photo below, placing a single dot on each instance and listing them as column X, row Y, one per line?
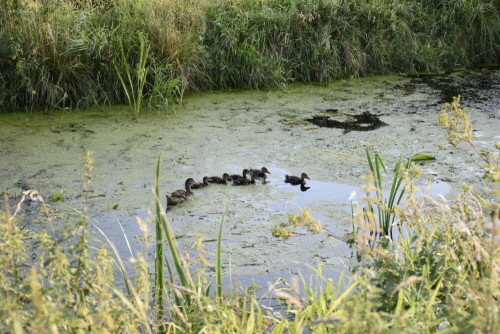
column 219, row 132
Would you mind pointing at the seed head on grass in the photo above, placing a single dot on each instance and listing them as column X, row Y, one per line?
column 281, row 231
column 307, row 220
column 457, row 121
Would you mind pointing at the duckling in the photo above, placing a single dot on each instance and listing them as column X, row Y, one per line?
column 198, row 185
column 260, row 173
column 237, row 177
column 180, row 196
column 221, row 180
column 244, row 181
column 295, row 180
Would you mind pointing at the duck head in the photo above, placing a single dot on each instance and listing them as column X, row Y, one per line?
column 264, row 170
column 189, row 182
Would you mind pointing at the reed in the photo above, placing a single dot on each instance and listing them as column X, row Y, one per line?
column 159, row 255
column 194, row 45
column 218, row 262
column 385, row 206
column 135, row 80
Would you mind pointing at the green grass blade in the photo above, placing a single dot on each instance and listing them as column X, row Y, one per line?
column 218, row 260
column 173, row 250
column 378, row 184
column 159, row 265
column 370, row 164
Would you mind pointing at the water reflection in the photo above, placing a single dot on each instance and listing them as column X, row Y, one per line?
column 303, row 187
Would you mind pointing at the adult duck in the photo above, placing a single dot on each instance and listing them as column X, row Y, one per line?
column 260, row 173
column 181, row 195
column 244, row 181
column 221, row 180
column 198, row 185
column 295, row 180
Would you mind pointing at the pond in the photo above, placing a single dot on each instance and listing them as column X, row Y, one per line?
column 322, row 130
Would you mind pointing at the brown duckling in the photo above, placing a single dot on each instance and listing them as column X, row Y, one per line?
column 221, row 180
column 295, row 180
column 260, row 173
column 244, row 181
column 180, row 196
column 237, row 177
column 198, row 185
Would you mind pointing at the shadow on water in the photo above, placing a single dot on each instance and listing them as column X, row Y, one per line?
column 362, row 122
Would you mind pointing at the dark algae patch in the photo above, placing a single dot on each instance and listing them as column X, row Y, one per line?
column 363, row 122
column 472, row 85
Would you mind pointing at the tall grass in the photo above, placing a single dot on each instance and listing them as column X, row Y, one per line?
column 59, row 54
column 134, row 89
column 385, row 206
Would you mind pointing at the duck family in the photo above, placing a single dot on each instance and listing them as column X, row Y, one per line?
column 183, row 195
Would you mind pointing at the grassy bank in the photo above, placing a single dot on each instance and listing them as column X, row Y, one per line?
column 80, row 54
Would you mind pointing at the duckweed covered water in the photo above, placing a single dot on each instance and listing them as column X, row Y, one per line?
column 219, row 132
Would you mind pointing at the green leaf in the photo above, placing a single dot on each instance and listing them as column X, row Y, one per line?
column 116, row 206
column 422, row 157
column 57, row 195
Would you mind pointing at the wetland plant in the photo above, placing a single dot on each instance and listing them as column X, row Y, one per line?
column 135, row 77
column 457, row 121
column 384, row 206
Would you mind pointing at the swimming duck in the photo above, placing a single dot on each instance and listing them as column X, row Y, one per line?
column 237, row 177
column 295, row 180
column 198, row 185
column 180, row 196
column 260, row 173
column 244, row 181
column 221, row 180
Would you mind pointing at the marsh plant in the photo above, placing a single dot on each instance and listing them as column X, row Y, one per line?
column 385, row 207
column 134, row 78
column 457, row 121
column 57, row 54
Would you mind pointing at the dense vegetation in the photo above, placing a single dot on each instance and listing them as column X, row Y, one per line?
column 84, row 53
column 440, row 273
